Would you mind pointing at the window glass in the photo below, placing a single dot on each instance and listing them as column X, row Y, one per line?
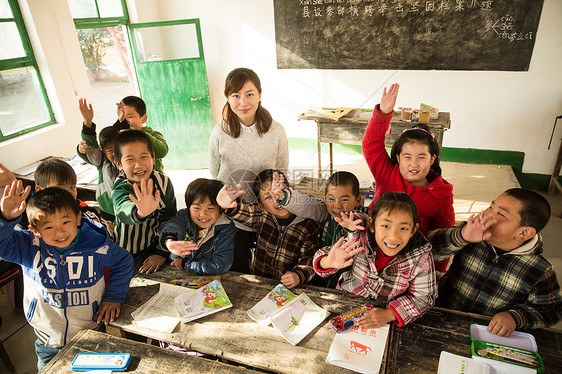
column 167, row 42
column 110, row 8
column 10, row 41
column 22, row 100
column 83, row 8
column 5, row 11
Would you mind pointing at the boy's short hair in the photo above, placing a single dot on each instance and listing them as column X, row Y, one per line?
column 201, row 188
column 49, row 201
column 127, row 137
column 54, row 170
column 107, row 136
column 536, row 209
column 137, row 103
column 343, row 178
column 264, row 177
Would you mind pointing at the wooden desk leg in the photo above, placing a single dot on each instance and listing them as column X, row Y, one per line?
column 331, row 160
column 555, row 173
column 319, row 150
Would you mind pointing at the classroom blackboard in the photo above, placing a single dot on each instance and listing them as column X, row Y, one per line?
column 406, row 34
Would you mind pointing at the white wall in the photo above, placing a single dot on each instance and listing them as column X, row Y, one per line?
column 489, row 110
column 57, row 51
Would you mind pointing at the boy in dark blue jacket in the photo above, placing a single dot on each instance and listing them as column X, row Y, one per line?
column 63, row 257
column 199, row 237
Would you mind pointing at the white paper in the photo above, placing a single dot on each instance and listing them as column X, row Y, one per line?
column 159, row 313
column 203, row 301
column 358, row 349
column 273, row 301
column 450, row 363
column 298, row 318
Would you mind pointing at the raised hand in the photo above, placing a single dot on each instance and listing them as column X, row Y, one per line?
column 87, row 112
column 84, row 148
column 228, row 194
column 180, row 247
column 13, row 203
column 388, row 99
column 341, row 254
column 478, row 227
column 348, row 222
column 120, row 111
column 6, row 176
column 277, row 186
column 144, row 199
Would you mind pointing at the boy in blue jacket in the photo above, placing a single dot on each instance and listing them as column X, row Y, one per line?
column 63, row 257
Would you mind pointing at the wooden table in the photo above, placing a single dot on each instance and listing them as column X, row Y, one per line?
column 232, row 335
column 350, row 129
column 145, row 358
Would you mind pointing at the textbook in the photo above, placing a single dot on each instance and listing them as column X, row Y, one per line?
column 298, row 318
column 159, row 312
column 203, row 301
column 273, row 301
column 450, row 363
column 359, row 349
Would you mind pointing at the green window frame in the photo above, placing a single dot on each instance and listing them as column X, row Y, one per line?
column 98, row 21
column 27, row 61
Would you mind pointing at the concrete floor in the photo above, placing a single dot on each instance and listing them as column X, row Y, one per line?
column 474, row 187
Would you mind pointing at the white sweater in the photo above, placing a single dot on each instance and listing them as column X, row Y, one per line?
column 241, row 159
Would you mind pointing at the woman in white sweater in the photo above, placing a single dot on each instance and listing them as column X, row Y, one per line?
column 246, row 142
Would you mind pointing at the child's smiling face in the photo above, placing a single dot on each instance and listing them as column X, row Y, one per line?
column 414, row 163
column 59, row 229
column 392, row 230
column 136, row 161
column 340, row 199
column 204, row 213
column 268, row 203
column 135, row 120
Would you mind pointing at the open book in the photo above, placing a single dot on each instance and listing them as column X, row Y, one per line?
column 194, row 281
column 273, row 301
column 203, row 301
column 359, row 349
column 159, row 313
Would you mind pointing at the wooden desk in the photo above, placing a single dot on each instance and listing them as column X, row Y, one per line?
column 416, row 347
column 351, row 128
column 144, row 358
column 233, row 335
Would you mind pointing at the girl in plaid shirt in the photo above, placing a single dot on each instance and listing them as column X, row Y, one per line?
column 391, row 261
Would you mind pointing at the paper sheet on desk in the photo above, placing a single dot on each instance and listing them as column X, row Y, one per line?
column 159, row 313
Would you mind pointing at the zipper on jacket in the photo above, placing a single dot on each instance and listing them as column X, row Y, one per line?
column 62, row 263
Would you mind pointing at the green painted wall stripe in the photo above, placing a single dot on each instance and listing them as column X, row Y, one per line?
column 465, row 155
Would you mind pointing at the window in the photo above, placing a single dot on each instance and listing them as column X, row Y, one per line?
column 98, row 13
column 24, row 105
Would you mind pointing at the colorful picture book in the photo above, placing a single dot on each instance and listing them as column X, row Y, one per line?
column 298, row 318
column 273, row 301
column 359, row 349
column 203, row 301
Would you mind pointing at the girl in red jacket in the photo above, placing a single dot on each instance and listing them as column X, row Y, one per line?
column 413, row 167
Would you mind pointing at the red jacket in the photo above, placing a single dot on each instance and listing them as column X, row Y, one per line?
column 434, row 202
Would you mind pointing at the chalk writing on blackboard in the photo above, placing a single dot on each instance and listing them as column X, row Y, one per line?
column 406, row 34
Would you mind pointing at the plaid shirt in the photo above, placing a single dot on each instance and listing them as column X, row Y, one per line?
column 279, row 251
column 407, row 283
column 488, row 281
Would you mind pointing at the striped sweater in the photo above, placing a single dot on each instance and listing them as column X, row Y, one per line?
column 132, row 233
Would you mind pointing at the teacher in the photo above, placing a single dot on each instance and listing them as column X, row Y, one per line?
column 246, row 142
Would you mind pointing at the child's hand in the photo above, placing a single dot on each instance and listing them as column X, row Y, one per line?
column 227, row 196
column 87, row 112
column 181, row 248
column 478, row 227
column 107, row 312
column 177, row 263
column 6, row 176
column 502, row 324
column 152, row 264
column 348, row 222
column 144, row 199
column 13, row 203
column 375, row 317
column 388, row 99
column 290, row 279
column 84, row 148
column 341, row 255
column 277, row 186
column 120, row 111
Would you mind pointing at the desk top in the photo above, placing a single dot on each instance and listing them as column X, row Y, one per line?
column 233, row 335
column 357, row 116
column 145, row 358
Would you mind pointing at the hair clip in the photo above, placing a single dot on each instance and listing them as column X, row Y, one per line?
column 420, row 129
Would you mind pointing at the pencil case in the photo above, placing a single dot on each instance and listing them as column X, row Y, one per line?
column 516, row 353
column 347, row 320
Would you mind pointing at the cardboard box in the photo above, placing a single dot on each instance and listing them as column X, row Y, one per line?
column 424, row 117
